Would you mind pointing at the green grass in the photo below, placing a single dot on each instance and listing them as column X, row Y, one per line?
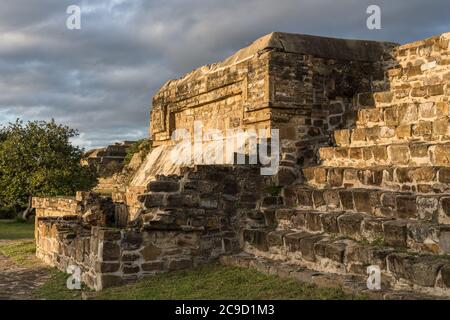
column 207, row 282
column 21, row 252
column 13, row 230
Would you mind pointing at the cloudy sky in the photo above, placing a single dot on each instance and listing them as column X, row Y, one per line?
column 100, row 79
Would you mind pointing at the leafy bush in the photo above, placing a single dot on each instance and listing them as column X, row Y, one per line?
column 141, row 145
column 37, row 159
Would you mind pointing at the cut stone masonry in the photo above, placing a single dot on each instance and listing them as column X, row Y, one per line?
column 363, row 177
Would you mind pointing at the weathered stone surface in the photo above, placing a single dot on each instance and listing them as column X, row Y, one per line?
column 330, row 222
column 276, row 238
column 107, row 267
column 150, row 252
column 256, row 238
column 395, row 233
column 132, row 240
column 306, row 246
column 153, row 266
column 163, row 186
column 111, row 251
column 292, row 240
column 350, row 225
column 418, row 270
column 406, row 207
column 178, row 264
column 389, row 158
column 445, row 274
column 130, row 269
column 361, row 199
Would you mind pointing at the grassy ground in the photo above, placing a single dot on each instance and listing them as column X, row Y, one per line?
column 22, row 252
column 13, row 230
column 207, row 282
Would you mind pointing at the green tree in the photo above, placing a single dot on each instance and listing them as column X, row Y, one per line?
column 37, row 159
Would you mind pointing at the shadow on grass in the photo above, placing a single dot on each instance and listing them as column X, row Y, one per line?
column 214, row 281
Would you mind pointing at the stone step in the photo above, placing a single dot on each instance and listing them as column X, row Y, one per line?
column 413, row 235
column 402, row 113
column 384, row 131
column 324, row 253
column 423, row 48
column 421, row 179
column 424, row 131
column 355, row 285
column 406, row 93
column 378, row 202
column 398, row 154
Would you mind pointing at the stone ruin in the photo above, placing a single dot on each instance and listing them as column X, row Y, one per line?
column 363, row 176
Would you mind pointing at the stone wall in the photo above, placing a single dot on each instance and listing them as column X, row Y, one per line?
column 184, row 221
column 302, row 85
column 362, row 179
column 379, row 195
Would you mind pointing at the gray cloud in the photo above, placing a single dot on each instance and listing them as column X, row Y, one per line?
column 100, row 79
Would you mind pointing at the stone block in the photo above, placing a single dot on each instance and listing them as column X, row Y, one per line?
column 153, row 200
column 399, row 154
column 418, row 151
column 150, row 252
column 313, row 221
column 335, row 251
column 379, row 153
column 163, row 186
column 179, row 264
column 445, row 275
column 422, row 271
column 350, row 225
column 284, row 214
column 357, row 254
column 427, row 208
column 304, row 198
column 366, row 99
column 403, row 131
column 361, row 199
column 152, row 266
column 395, row 233
column 372, row 228
column 130, row 269
column 358, row 135
column 109, row 235
column 130, row 257
column 107, row 267
column 441, row 155
column 132, row 240
column 257, row 238
column 406, row 207
column 435, row 90
column 444, row 205
column 335, row 177
column 111, row 252
column 285, row 176
column 384, row 97
column 329, row 222
column 292, row 240
column 332, row 200
column 306, row 246
column 391, row 116
column 318, row 199
column 342, row 137
column 276, row 238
